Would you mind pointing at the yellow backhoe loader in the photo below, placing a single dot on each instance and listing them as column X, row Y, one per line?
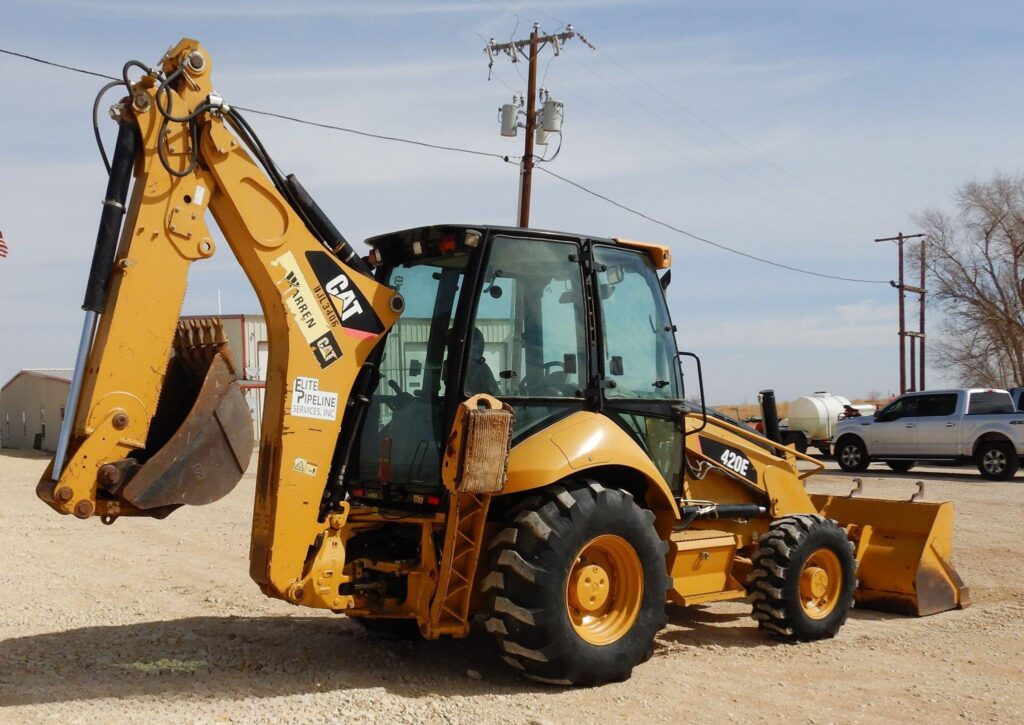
column 469, row 422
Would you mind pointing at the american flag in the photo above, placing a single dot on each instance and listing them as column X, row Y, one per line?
column 3, row 246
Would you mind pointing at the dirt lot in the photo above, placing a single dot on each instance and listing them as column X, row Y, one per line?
column 157, row 621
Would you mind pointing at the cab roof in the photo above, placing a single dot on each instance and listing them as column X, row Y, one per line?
column 660, row 254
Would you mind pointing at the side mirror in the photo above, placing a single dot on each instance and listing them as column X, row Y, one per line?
column 615, row 365
column 615, row 274
column 415, row 368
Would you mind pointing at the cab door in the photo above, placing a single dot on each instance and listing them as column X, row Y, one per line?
column 894, row 431
column 639, row 365
column 938, row 430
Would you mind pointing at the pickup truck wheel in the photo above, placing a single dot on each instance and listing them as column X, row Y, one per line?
column 802, row 578
column 901, row 466
column 851, row 454
column 997, row 460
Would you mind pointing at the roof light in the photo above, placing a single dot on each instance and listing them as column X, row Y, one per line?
column 417, row 248
column 472, row 238
column 447, row 244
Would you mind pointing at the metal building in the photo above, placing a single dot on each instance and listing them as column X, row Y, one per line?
column 32, row 407
column 32, row 402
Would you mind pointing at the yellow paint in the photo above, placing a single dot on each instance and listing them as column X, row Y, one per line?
column 581, row 442
column 164, row 232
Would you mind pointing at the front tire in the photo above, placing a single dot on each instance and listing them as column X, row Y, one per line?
column 802, row 578
column 851, row 454
column 901, row 466
column 577, row 585
column 997, row 460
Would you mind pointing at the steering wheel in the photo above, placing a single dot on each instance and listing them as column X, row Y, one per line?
column 548, row 388
column 397, row 401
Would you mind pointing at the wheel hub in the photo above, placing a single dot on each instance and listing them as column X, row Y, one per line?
column 821, row 583
column 590, row 590
column 814, row 582
column 604, row 589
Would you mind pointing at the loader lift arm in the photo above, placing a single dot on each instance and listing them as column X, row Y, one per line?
column 324, row 312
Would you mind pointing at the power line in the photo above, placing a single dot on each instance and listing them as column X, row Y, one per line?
column 357, row 132
column 705, row 240
column 59, row 65
column 380, row 136
column 819, row 215
column 729, row 137
column 819, row 219
column 782, row 169
column 500, row 157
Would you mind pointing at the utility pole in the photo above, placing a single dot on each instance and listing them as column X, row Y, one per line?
column 917, row 338
column 553, row 117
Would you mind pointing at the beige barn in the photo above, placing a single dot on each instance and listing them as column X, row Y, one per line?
column 32, row 407
column 32, row 402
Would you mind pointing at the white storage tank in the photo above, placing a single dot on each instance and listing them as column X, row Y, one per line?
column 817, row 414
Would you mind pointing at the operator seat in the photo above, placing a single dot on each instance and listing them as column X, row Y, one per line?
column 479, row 377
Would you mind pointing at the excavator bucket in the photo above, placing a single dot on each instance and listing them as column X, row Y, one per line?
column 201, row 437
column 903, row 553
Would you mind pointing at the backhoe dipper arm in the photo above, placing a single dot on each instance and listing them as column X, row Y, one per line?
column 135, row 443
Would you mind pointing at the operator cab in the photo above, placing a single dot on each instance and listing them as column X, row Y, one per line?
column 550, row 323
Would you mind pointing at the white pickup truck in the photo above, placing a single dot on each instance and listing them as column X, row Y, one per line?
column 976, row 424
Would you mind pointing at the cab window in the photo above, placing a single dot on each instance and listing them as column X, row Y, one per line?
column 639, row 345
column 989, row 403
column 528, row 335
column 899, row 408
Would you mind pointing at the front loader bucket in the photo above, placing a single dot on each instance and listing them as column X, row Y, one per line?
column 903, row 554
column 201, row 437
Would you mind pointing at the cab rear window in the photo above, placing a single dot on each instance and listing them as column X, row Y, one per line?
column 990, row 402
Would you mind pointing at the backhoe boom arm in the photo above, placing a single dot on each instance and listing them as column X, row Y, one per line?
column 131, row 441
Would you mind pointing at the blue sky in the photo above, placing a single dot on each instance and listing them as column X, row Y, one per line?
column 795, row 131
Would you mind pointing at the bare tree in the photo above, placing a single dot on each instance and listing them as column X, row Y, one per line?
column 975, row 265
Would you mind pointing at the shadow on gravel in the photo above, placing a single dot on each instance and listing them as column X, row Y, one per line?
column 697, row 628
column 242, row 657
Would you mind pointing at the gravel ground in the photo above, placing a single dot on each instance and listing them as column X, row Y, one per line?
column 157, row 621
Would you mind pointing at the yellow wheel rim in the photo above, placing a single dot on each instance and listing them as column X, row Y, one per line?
column 821, row 581
column 604, row 589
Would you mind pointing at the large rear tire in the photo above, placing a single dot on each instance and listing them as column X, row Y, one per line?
column 802, row 578
column 997, row 460
column 576, row 588
column 851, row 455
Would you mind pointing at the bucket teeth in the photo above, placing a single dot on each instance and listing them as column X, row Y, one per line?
column 198, row 340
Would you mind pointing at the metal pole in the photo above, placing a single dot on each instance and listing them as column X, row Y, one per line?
column 913, row 369
column 901, row 287
column 526, row 175
column 922, row 387
column 903, row 323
